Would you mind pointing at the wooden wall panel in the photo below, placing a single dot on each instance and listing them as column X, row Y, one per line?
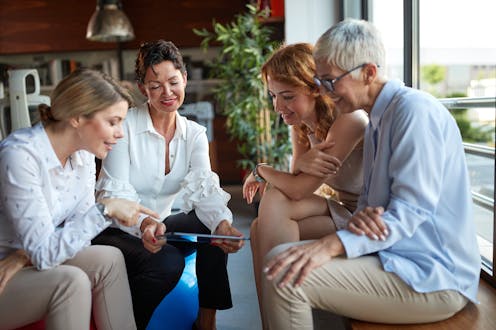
column 33, row 26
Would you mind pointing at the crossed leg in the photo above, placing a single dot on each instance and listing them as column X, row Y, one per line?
column 282, row 220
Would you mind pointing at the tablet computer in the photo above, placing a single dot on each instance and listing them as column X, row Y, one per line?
column 196, row 237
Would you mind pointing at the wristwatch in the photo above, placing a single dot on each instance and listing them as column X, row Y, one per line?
column 257, row 176
column 103, row 210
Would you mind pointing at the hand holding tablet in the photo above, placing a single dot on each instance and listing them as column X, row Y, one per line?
column 198, row 238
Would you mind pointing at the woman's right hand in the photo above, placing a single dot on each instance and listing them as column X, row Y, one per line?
column 125, row 211
column 151, row 229
column 317, row 162
column 250, row 188
column 10, row 265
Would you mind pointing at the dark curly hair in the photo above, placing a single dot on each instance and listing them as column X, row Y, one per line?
column 156, row 52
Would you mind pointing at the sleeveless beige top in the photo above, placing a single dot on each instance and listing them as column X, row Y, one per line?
column 347, row 183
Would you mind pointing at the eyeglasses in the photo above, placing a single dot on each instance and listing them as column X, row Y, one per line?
column 329, row 83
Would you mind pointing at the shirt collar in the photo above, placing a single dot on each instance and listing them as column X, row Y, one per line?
column 145, row 124
column 383, row 100
column 51, row 159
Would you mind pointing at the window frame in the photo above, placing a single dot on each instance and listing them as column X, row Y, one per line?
column 361, row 9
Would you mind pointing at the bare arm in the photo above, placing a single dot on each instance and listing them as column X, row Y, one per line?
column 347, row 132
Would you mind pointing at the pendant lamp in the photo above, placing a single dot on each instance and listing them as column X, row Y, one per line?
column 109, row 23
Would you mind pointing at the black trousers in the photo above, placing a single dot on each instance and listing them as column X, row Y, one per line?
column 153, row 275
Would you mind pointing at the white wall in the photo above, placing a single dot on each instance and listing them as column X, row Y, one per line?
column 306, row 20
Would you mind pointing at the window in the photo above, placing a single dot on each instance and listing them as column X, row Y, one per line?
column 388, row 17
column 455, row 60
column 459, row 60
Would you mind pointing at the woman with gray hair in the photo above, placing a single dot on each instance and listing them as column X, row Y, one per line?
column 48, row 214
column 427, row 267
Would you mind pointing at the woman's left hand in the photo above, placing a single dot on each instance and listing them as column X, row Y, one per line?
column 10, row 265
column 228, row 245
column 301, row 259
column 250, row 188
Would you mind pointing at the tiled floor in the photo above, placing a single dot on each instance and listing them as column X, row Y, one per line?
column 244, row 315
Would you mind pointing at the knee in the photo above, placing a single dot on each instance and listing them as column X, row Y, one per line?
column 273, row 195
column 277, row 250
column 253, row 230
column 273, row 200
column 109, row 260
column 166, row 264
column 73, row 284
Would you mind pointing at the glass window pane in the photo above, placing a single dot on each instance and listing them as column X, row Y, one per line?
column 457, row 47
column 387, row 15
column 458, row 59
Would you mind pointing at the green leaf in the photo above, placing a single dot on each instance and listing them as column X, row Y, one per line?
column 245, row 44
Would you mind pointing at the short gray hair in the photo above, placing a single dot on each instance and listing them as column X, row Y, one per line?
column 351, row 43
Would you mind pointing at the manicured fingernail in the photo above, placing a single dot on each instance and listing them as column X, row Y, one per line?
column 386, row 232
column 375, row 237
column 266, row 269
column 383, row 238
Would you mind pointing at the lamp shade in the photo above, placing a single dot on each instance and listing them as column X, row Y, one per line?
column 109, row 23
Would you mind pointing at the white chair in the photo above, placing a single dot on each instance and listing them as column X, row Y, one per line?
column 23, row 106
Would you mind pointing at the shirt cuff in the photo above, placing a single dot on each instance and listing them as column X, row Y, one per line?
column 215, row 223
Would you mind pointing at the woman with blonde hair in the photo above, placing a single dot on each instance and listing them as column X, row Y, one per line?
column 48, row 214
column 327, row 149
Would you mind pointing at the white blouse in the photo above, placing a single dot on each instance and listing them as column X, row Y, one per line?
column 135, row 170
column 46, row 209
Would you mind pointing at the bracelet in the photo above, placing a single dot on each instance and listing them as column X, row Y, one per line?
column 257, row 176
column 104, row 211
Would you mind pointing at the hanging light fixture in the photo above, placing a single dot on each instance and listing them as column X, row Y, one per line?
column 109, row 23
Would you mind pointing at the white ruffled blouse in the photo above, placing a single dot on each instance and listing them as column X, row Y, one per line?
column 135, row 170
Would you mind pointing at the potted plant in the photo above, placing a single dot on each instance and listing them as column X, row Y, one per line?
column 245, row 44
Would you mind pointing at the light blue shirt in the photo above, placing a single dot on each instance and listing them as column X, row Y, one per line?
column 414, row 166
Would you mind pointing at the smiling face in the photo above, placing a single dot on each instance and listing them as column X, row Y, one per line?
column 101, row 130
column 295, row 105
column 164, row 85
column 347, row 90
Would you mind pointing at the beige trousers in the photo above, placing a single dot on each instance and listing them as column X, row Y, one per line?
column 95, row 280
column 355, row 288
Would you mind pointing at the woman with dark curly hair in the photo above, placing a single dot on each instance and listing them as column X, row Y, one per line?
column 161, row 155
